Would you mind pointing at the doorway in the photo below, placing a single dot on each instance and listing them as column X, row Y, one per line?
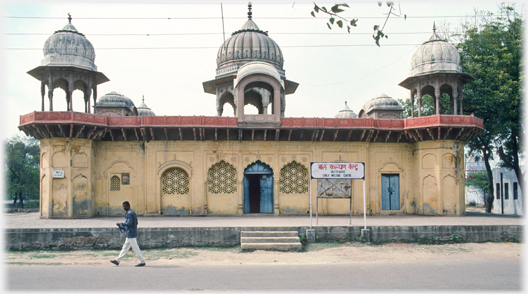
column 390, row 192
column 258, row 188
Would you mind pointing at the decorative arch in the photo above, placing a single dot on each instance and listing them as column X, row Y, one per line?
column 294, row 178
column 429, row 161
column 222, row 178
column 430, row 194
column 258, row 167
column 391, row 166
column 105, row 173
column 450, row 196
column 175, row 163
column 59, row 159
column 226, row 97
column 175, row 180
column 449, row 161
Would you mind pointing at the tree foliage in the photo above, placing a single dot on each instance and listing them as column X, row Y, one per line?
column 491, row 52
column 334, row 13
column 22, row 167
column 478, row 181
column 428, row 106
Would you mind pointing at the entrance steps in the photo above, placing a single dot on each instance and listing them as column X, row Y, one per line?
column 270, row 240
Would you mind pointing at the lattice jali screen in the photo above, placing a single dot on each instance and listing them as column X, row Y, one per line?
column 222, row 178
column 293, row 179
column 175, row 181
column 115, row 183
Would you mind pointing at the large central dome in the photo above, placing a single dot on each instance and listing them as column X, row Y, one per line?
column 246, row 45
column 68, row 47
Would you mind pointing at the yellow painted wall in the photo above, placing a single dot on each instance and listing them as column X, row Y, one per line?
column 430, row 174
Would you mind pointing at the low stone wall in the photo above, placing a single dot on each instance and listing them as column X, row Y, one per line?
column 112, row 238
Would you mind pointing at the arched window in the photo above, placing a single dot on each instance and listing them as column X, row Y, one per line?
column 175, row 181
column 222, row 178
column 293, row 179
column 115, row 183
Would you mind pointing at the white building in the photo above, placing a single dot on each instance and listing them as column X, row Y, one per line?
column 508, row 196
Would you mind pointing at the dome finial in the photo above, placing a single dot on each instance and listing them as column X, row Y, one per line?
column 434, row 28
column 346, row 103
column 143, row 99
column 249, row 8
column 69, row 17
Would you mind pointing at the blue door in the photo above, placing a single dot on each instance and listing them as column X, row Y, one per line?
column 266, row 194
column 390, row 192
column 258, row 188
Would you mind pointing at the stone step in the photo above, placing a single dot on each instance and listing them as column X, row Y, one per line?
column 270, row 240
column 272, row 246
column 269, row 234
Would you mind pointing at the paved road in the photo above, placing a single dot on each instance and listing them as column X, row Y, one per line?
column 473, row 274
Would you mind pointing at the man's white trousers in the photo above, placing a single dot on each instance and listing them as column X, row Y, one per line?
column 131, row 243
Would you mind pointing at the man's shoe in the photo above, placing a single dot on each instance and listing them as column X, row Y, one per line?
column 140, row 264
column 114, row 262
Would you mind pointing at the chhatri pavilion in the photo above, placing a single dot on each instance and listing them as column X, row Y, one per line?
column 249, row 163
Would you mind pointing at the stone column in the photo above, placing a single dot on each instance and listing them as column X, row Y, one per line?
column 419, row 97
column 42, row 91
column 69, row 95
column 437, row 97
column 455, row 98
column 95, row 97
column 461, row 100
column 50, row 95
column 412, row 104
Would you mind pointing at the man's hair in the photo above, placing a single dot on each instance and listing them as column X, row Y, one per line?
column 126, row 202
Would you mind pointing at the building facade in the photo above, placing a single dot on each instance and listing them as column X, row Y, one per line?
column 254, row 163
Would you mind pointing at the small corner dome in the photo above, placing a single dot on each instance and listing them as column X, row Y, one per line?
column 346, row 112
column 435, row 55
column 258, row 67
column 114, row 99
column 382, row 102
column 68, row 47
column 143, row 110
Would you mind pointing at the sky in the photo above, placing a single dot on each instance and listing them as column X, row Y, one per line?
column 165, row 50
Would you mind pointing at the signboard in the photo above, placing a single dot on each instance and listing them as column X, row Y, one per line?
column 330, row 188
column 58, row 174
column 337, row 170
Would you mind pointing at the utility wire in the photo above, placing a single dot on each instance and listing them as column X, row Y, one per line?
column 195, row 34
column 216, row 47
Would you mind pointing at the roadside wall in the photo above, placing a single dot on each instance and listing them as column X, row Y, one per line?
column 111, row 238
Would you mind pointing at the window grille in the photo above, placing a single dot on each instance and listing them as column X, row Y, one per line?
column 222, row 178
column 115, row 183
column 175, row 181
column 294, row 179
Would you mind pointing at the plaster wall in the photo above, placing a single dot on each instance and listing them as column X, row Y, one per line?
column 431, row 176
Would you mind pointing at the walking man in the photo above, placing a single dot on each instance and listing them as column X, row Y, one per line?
column 130, row 225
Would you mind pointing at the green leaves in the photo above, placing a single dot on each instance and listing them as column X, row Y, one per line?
column 342, row 22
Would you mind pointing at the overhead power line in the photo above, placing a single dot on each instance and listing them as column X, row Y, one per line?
column 216, row 47
column 219, row 18
column 194, row 34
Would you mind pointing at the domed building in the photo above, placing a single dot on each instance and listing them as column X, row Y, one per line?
column 143, row 109
column 250, row 45
column 346, row 112
column 68, row 64
column 251, row 163
column 115, row 104
column 435, row 69
column 382, row 107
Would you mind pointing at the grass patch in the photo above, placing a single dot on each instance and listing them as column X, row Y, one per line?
column 323, row 245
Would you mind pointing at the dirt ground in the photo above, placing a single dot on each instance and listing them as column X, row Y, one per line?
column 318, row 253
